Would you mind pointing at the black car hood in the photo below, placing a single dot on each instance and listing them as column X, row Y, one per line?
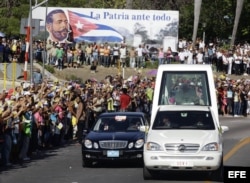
column 128, row 136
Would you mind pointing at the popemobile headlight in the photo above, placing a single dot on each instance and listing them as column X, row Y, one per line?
column 96, row 146
column 151, row 146
column 211, row 147
column 139, row 143
column 88, row 143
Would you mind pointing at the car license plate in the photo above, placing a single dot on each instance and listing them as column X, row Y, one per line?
column 112, row 154
column 183, row 164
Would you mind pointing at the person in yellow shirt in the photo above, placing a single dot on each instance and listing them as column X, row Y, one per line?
column 110, row 103
column 88, row 51
column 101, row 54
column 75, row 58
column 106, row 53
column 150, row 94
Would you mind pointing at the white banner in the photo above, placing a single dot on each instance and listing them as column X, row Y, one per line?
column 108, row 25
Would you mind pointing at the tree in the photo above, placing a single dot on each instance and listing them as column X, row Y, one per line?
column 141, row 30
column 129, row 4
column 236, row 20
column 211, row 12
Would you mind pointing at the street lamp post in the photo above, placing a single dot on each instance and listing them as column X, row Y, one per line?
column 204, row 33
column 228, row 21
column 45, row 42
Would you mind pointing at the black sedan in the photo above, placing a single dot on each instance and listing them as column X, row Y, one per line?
column 115, row 136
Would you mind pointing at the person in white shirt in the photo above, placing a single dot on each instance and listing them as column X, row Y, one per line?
column 116, row 54
column 190, row 56
column 201, row 45
column 139, row 53
column 184, row 42
column 248, row 62
column 237, row 62
column 123, row 55
column 225, row 62
column 182, row 56
column 230, row 63
column 180, row 45
column 199, row 57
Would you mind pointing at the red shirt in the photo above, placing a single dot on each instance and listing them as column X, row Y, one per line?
column 124, row 101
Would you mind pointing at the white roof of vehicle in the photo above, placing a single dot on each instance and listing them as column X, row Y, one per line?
column 183, row 108
column 184, row 67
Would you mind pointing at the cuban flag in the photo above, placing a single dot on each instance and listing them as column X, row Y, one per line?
column 86, row 28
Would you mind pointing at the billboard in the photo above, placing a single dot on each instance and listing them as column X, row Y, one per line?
column 108, row 25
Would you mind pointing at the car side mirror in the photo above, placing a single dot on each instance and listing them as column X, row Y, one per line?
column 143, row 128
column 85, row 131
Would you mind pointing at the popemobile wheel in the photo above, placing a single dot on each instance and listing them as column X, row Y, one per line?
column 147, row 174
column 217, row 175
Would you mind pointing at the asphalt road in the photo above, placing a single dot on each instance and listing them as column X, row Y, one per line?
column 63, row 165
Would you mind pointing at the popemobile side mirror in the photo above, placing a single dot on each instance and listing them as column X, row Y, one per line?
column 224, row 129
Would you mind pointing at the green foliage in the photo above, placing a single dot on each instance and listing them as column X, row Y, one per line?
column 11, row 17
column 73, row 78
column 212, row 12
column 186, row 21
column 225, row 46
column 151, row 64
column 50, row 68
column 12, row 25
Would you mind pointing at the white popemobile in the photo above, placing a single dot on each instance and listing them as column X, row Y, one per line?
column 192, row 140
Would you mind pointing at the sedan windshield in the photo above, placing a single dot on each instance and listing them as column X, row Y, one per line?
column 118, row 123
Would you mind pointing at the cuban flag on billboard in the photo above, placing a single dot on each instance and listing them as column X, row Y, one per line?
column 86, row 28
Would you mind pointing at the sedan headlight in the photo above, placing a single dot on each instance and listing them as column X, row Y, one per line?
column 88, row 144
column 130, row 145
column 139, row 143
column 96, row 146
column 151, row 146
column 211, row 147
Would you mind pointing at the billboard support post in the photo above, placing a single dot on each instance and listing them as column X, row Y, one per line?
column 29, row 42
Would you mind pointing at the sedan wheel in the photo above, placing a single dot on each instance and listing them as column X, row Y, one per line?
column 86, row 162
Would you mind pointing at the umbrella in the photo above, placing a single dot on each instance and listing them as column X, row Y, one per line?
column 2, row 34
column 152, row 72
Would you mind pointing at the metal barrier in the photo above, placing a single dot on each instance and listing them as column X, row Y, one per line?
column 11, row 71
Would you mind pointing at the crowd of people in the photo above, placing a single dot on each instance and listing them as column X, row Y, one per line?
column 40, row 115
column 44, row 114
column 34, row 117
column 235, row 60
